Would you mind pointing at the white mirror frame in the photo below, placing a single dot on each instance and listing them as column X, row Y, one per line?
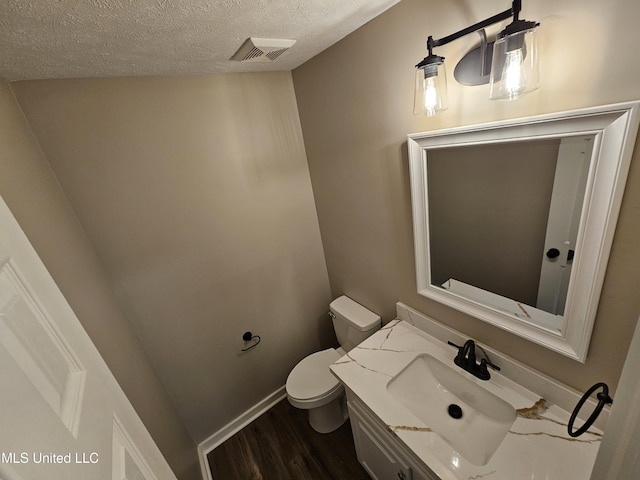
column 615, row 128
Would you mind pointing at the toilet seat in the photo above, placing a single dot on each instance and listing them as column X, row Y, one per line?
column 311, row 380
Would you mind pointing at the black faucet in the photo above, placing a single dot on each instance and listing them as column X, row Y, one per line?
column 466, row 359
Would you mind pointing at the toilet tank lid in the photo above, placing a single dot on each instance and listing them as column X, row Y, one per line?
column 360, row 317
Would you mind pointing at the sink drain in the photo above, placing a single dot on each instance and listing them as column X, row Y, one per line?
column 455, row 411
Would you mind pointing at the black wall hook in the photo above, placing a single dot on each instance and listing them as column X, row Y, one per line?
column 250, row 337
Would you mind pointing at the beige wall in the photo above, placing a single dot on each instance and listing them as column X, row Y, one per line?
column 355, row 101
column 195, row 193
column 30, row 189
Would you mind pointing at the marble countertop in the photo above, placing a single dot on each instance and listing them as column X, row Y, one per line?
column 537, row 447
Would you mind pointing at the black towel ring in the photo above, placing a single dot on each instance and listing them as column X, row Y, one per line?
column 603, row 399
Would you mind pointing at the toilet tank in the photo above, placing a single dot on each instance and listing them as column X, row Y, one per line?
column 352, row 322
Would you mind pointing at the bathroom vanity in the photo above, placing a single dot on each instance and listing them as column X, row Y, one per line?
column 399, row 383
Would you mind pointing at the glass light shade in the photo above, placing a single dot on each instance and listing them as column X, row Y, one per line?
column 430, row 96
column 514, row 67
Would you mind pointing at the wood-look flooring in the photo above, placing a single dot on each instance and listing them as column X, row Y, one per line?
column 281, row 445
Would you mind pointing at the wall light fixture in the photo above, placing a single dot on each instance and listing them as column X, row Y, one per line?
column 509, row 64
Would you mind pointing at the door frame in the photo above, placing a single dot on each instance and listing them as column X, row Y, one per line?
column 618, row 455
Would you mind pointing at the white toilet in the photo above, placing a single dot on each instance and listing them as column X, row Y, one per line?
column 311, row 386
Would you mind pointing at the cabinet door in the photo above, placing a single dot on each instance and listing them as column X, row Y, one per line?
column 374, row 453
column 379, row 452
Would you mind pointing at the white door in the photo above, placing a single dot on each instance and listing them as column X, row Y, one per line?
column 569, row 186
column 62, row 414
column 618, row 457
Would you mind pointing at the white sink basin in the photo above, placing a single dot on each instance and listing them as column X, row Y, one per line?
column 429, row 388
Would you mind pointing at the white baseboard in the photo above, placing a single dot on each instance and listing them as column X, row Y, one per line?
column 234, row 427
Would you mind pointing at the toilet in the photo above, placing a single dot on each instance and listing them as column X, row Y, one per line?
column 311, row 385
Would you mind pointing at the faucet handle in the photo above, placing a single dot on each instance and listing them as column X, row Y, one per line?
column 486, row 361
column 483, row 372
column 460, row 348
column 459, row 360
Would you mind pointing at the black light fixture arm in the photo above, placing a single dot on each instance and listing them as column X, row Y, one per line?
column 514, row 12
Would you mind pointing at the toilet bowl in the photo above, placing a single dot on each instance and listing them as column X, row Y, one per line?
column 311, row 386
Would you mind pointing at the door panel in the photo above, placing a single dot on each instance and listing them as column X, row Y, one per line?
column 62, row 414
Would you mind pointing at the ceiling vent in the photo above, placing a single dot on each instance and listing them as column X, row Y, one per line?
column 262, row 49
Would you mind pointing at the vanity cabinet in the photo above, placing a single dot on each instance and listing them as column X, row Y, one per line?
column 379, row 452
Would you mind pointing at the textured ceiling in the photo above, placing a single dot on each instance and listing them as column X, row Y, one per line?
column 99, row 38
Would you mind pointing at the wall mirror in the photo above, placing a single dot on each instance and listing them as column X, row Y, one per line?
column 514, row 220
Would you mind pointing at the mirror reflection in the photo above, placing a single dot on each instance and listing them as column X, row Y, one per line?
column 503, row 222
